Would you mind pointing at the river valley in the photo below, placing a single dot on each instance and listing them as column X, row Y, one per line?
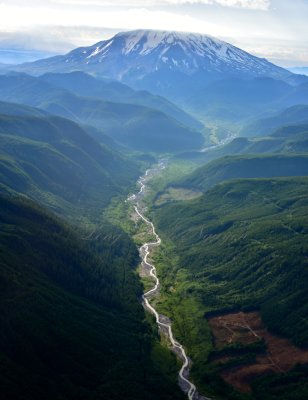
column 148, row 269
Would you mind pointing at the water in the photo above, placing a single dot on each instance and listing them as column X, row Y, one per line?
column 163, row 322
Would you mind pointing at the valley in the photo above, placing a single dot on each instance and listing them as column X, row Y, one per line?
column 240, row 349
column 192, row 296
column 153, row 222
column 148, row 270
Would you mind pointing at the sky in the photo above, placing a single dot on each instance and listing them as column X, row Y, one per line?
column 273, row 29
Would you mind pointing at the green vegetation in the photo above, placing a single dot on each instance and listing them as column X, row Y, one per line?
column 287, row 139
column 173, row 171
column 174, row 194
column 291, row 386
column 54, row 161
column 235, row 100
column 20, row 110
column 241, row 246
column 246, row 166
column 152, row 130
column 136, row 126
column 71, row 322
column 86, row 85
column 297, row 114
column 71, row 326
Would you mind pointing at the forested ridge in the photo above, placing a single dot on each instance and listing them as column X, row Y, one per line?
column 71, row 324
column 240, row 246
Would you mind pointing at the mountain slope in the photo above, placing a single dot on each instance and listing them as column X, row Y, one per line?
column 247, row 166
column 70, row 322
column 85, row 85
column 187, row 69
column 154, row 131
column 20, row 110
column 262, row 127
column 241, row 246
column 54, row 161
column 257, row 207
column 287, row 139
column 113, row 118
column 299, row 70
column 119, row 57
column 237, row 98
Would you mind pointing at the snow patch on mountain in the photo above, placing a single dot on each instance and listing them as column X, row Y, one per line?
column 159, row 55
column 149, row 50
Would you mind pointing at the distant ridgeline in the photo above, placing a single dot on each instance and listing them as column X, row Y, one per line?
column 137, row 120
column 283, row 133
column 204, row 74
column 55, row 161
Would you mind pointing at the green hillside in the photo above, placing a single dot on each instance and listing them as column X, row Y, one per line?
column 292, row 131
column 285, row 139
column 152, row 130
column 86, row 85
column 240, row 246
column 54, row 161
column 246, row 166
column 297, row 114
column 71, row 326
column 237, row 99
column 129, row 122
column 135, row 126
column 20, row 110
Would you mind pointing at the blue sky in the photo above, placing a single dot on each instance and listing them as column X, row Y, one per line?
column 274, row 29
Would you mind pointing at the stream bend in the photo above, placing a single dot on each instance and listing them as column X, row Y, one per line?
column 163, row 322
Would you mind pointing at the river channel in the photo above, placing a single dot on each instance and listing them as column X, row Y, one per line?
column 164, row 323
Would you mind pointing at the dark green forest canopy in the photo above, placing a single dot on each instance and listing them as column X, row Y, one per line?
column 70, row 322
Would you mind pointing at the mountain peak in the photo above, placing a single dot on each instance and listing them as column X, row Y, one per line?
column 156, row 60
column 149, row 51
column 146, row 40
column 178, row 49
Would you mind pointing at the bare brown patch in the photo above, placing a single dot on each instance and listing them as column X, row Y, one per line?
column 247, row 328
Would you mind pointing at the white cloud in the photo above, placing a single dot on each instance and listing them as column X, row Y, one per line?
column 133, row 18
column 249, row 4
column 246, row 4
column 58, row 25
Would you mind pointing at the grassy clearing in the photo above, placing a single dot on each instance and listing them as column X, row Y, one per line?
column 176, row 194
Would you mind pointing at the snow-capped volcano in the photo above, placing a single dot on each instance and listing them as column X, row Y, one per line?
column 161, row 61
column 149, row 51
